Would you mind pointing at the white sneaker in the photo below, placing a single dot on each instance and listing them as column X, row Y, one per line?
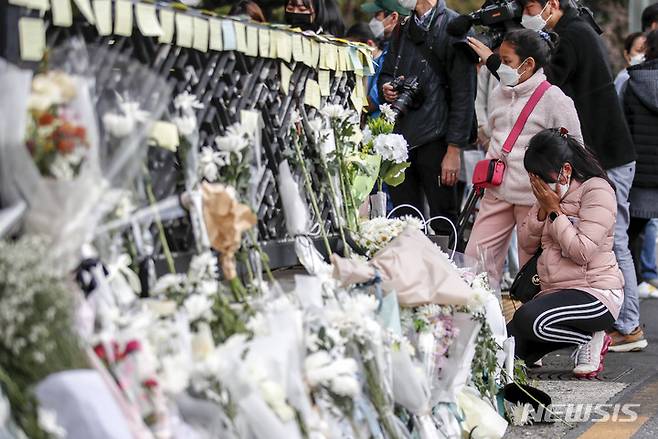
column 589, row 357
column 647, row 291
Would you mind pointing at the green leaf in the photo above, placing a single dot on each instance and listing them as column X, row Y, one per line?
column 395, row 174
column 364, row 177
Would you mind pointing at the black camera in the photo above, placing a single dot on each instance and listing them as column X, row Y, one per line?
column 500, row 16
column 410, row 94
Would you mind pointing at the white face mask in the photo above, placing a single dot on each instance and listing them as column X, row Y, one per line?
column 559, row 188
column 534, row 22
column 408, row 4
column 377, row 27
column 637, row 59
column 510, row 76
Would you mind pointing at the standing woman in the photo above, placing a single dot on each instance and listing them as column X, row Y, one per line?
column 573, row 221
column 634, row 47
column 524, row 54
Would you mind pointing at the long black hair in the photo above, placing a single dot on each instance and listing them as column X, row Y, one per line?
column 550, row 149
column 530, row 44
column 327, row 16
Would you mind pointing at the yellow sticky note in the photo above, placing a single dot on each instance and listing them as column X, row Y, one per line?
column 32, row 34
column 167, row 25
column 323, row 56
column 216, row 41
column 103, row 12
column 312, row 93
column 368, row 66
column 286, row 74
column 252, row 41
column 324, row 79
column 41, row 5
column 315, row 53
column 284, row 46
column 308, row 52
column 348, row 59
column 184, row 32
column 123, row 18
column 62, row 14
column 85, row 9
column 330, row 51
column 342, row 59
column 228, row 35
column 240, row 37
column 147, row 21
column 264, row 42
column 273, row 47
column 356, row 60
column 200, row 34
column 297, row 48
column 165, row 135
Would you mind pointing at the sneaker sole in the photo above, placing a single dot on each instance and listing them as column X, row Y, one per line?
column 604, row 351
column 636, row 346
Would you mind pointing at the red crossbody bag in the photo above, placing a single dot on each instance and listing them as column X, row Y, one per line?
column 490, row 172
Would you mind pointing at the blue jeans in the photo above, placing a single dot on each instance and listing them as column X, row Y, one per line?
column 629, row 316
column 648, row 255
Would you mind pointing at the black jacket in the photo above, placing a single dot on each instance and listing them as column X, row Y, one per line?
column 581, row 68
column 641, row 108
column 446, row 71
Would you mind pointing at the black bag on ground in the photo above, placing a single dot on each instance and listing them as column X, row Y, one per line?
column 526, row 284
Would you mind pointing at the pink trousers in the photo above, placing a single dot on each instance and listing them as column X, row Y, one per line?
column 492, row 232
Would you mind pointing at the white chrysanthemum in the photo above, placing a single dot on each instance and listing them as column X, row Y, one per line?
column 391, row 147
column 186, row 124
column 388, row 112
column 210, row 161
column 187, row 102
column 345, row 385
column 519, row 414
column 235, row 140
column 336, row 112
column 367, row 135
column 169, row 283
column 203, row 267
column 198, row 307
column 118, row 125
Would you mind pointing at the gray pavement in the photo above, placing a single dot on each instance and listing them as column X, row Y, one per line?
column 630, row 378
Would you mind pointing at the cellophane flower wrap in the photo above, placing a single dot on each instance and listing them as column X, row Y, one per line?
column 83, row 135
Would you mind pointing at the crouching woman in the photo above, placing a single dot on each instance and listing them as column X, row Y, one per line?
column 573, row 221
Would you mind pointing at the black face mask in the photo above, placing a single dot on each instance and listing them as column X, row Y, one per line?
column 302, row 21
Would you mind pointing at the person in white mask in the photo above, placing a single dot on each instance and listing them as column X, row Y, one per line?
column 386, row 17
column 524, row 54
column 581, row 68
column 437, row 109
column 634, row 46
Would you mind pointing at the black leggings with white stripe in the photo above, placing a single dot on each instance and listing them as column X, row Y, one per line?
column 555, row 321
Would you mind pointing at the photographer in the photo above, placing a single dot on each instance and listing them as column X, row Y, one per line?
column 581, row 68
column 438, row 121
